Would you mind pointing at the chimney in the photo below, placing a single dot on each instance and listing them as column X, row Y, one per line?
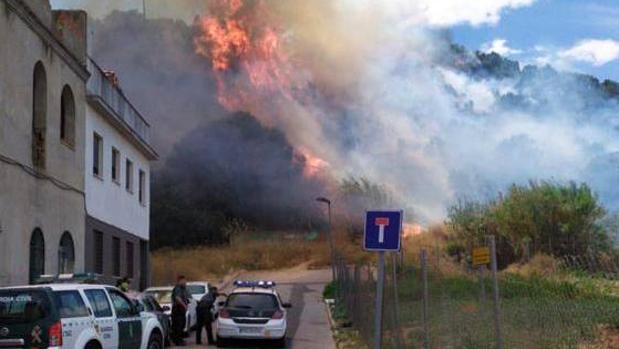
column 70, row 27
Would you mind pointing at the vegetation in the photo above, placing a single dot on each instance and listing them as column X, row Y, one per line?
column 227, row 173
column 244, row 253
column 547, row 217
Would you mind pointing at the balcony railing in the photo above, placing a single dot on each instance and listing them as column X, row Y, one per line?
column 100, row 86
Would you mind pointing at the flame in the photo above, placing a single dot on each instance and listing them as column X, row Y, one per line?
column 252, row 68
column 312, row 165
column 246, row 53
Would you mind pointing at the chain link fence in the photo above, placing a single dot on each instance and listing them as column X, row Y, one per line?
column 433, row 302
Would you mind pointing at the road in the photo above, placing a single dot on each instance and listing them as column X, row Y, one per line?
column 308, row 324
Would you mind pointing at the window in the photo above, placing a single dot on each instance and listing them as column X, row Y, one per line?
column 121, row 304
column 66, row 254
column 115, row 165
column 142, row 187
column 252, row 301
column 196, row 289
column 23, row 306
column 99, row 303
column 37, row 255
column 67, row 117
column 97, row 155
column 39, row 115
column 116, row 256
column 98, row 252
column 129, row 176
column 129, row 255
column 70, row 304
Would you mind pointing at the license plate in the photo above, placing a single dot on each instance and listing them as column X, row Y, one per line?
column 250, row 330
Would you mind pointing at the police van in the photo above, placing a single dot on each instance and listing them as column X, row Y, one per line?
column 253, row 310
column 75, row 316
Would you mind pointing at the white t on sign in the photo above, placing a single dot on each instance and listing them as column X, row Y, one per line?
column 382, row 222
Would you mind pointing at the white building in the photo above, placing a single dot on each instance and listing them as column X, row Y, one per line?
column 117, row 182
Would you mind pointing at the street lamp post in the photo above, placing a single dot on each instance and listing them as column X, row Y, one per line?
column 331, row 245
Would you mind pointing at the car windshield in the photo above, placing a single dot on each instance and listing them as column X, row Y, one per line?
column 196, row 289
column 162, row 296
column 23, row 306
column 252, row 301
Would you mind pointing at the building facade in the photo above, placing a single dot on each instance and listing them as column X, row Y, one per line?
column 43, row 74
column 74, row 155
column 117, row 182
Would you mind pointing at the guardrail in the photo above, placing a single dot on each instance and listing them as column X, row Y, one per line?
column 100, row 86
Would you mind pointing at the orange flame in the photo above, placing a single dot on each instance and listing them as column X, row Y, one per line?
column 246, row 53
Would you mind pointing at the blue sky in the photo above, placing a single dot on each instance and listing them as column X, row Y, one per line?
column 548, row 27
column 575, row 35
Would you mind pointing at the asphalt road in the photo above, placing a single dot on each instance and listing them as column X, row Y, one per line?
column 308, row 324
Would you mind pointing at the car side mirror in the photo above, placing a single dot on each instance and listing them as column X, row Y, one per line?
column 287, row 305
column 165, row 308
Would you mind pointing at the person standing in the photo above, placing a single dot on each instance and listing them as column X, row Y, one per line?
column 180, row 301
column 205, row 315
column 124, row 284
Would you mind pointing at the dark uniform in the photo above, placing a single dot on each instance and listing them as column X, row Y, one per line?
column 179, row 313
column 205, row 317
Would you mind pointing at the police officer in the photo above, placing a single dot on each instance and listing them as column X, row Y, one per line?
column 180, row 301
column 205, row 315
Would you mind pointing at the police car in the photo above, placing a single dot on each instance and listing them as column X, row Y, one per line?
column 163, row 295
column 74, row 316
column 253, row 310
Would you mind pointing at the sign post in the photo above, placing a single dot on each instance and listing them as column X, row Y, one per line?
column 481, row 258
column 382, row 234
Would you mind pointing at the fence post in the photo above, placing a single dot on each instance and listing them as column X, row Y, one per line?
column 424, row 277
column 497, row 307
column 378, row 316
column 480, row 272
column 396, row 303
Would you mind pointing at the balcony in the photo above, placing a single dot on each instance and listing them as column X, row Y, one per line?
column 111, row 101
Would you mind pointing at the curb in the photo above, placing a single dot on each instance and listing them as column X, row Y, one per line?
column 331, row 321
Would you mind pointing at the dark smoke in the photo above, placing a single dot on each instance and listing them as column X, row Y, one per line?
column 159, row 71
column 215, row 168
column 229, row 169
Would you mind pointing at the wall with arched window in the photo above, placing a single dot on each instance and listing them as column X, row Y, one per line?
column 37, row 255
column 39, row 115
column 66, row 254
column 67, row 117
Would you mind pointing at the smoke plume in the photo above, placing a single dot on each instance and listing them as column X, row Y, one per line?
column 359, row 88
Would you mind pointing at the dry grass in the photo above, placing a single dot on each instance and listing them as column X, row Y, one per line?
column 251, row 251
column 207, row 263
column 540, row 265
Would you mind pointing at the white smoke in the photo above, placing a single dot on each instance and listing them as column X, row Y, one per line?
column 429, row 132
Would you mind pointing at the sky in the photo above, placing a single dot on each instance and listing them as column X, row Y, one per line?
column 575, row 35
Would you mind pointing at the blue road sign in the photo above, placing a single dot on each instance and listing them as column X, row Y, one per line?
column 382, row 230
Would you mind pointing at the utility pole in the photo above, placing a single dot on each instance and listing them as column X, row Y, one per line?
column 144, row 8
column 331, row 243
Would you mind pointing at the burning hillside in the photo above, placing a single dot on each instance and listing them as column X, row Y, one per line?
column 373, row 91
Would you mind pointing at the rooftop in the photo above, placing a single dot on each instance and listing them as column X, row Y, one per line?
column 106, row 97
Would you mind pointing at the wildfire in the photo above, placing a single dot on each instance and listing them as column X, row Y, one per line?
column 245, row 51
column 312, row 165
column 251, row 66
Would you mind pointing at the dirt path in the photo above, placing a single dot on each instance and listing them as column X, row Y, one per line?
column 308, row 325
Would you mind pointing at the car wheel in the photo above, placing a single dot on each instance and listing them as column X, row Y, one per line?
column 280, row 343
column 222, row 343
column 93, row 345
column 155, row 341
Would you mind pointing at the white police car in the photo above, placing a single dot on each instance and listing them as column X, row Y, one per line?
column 75, row 316
column 253, row 310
